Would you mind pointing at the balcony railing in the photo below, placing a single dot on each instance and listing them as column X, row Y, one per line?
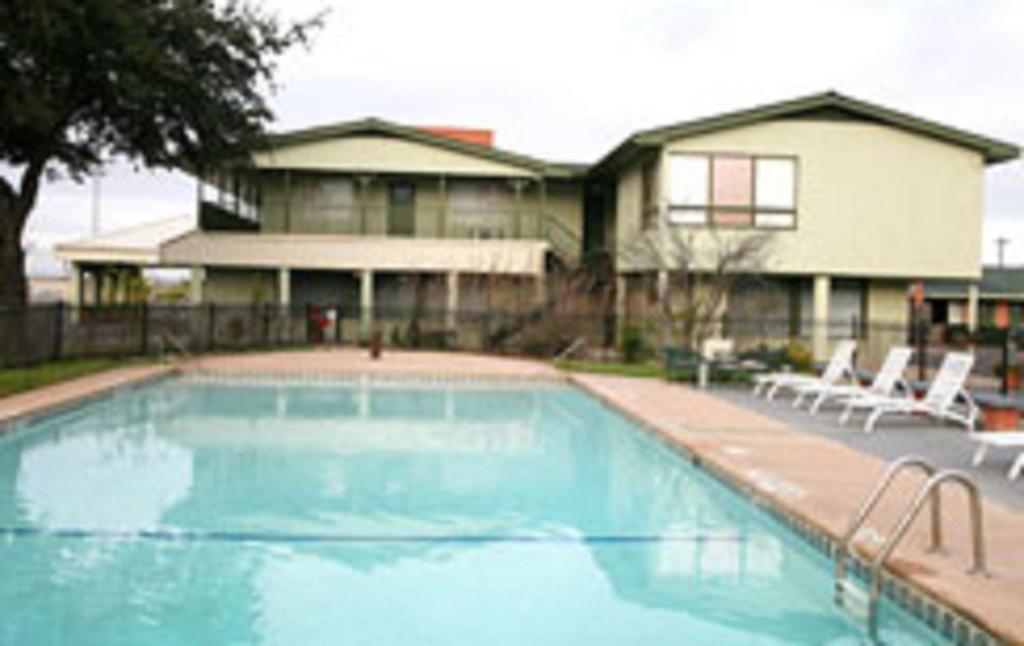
column 424, row 221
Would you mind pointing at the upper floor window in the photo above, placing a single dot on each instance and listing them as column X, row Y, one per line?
column 334, row 193
column 731, row 190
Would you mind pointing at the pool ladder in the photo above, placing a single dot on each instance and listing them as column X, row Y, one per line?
column 847, row 594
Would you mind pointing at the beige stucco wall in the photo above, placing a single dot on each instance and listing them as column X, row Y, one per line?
column 872, row 200
column 629, row 211
column 367, row 153
column 237, row 287
column 887, row 301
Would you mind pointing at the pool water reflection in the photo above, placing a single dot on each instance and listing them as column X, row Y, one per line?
column 388, row 512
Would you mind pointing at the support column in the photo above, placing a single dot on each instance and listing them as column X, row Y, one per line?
column 542, row 288
column 76, row 292
column 819, row 333
column 453, row 299
column 366, row 302
column 662, row 288
column 517, row 191
column 284, row 286
column 972, row 306
column 442, row 200
column 197, row 276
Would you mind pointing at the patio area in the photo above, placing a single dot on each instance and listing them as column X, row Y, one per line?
column 944, row 445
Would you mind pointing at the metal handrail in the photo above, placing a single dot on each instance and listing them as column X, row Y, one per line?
column 869, row 504
column 573, row 347
column 166, row 339
column 930, row 488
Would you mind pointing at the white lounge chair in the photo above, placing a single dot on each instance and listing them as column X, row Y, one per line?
column 941, row 401
column 839, row 367
column 1002, row 439
column 887, row 381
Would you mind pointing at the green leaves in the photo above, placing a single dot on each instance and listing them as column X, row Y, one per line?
column 162, row 82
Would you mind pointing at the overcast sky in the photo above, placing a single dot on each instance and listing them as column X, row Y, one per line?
column 569, row 80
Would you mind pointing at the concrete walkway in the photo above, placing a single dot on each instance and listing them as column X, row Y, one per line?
column 945, row 445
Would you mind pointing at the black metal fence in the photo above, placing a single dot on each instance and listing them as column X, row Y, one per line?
column 42, row 333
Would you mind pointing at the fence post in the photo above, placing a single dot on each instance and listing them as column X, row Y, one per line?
column 922, row 345
column 337, row 325
column 58, row 332
column 1005, row 386
column 144, row 332
column 211, row 327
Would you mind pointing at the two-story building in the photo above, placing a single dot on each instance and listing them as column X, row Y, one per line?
column 857, row 202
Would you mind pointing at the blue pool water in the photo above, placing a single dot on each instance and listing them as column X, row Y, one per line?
column 388, row 513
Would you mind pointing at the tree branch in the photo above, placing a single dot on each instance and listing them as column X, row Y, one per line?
column 6, row 190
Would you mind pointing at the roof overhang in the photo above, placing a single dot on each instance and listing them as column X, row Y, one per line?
column 138, row 245
column 992, row 150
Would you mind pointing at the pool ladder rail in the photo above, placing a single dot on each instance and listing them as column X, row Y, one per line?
column 865, row 605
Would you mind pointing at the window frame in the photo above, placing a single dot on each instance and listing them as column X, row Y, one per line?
column 710, row 208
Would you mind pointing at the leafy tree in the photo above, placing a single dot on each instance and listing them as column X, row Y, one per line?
column 163, row 83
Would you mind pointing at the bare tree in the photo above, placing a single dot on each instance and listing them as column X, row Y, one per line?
column 701, row 274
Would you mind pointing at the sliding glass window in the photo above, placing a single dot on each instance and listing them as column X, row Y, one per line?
column 732, row 190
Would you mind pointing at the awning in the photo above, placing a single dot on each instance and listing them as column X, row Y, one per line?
column 137, row 245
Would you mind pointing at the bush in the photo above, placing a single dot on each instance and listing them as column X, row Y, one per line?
column 798, row 356
column 634, row 347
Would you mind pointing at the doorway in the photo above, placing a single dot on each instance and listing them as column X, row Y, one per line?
column 401, row 209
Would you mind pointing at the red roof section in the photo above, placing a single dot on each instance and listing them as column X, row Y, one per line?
column 478, row 136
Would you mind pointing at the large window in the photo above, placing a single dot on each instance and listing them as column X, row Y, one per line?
column 731, row 190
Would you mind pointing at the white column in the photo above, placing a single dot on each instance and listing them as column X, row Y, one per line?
column 366, row 301
column 662, row 284
column 284, row 286
column 197, row 276
column 76, row 294
column 972, row 306
column 453, row 299
column 819, row 333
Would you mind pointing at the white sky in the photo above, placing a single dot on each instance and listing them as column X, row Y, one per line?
column 569, row 80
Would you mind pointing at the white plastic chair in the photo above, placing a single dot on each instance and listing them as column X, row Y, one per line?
column 840, row 367
column 1001, row 439
column 940, row 402
column 887, row 381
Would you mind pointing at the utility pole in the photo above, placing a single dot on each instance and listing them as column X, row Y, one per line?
column 96, row 204
column 1001, row 242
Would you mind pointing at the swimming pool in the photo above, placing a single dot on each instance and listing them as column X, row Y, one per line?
column 388, row 512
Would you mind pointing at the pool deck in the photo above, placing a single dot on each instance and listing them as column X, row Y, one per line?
column 73, row 391
column 815, row 477
column 822, row 481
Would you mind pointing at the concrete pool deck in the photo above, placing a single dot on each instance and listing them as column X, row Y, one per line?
column 822, row 481
column 73, row 391
column 814, row 477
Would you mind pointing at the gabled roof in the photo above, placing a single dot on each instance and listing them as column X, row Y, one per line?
column 375, row 126
column 825, row 104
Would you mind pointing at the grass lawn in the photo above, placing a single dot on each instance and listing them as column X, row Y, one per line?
column 16, row 380
column 648, row 369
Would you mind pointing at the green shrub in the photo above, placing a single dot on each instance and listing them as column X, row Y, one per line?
column 798, row 356
column 633, row 346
